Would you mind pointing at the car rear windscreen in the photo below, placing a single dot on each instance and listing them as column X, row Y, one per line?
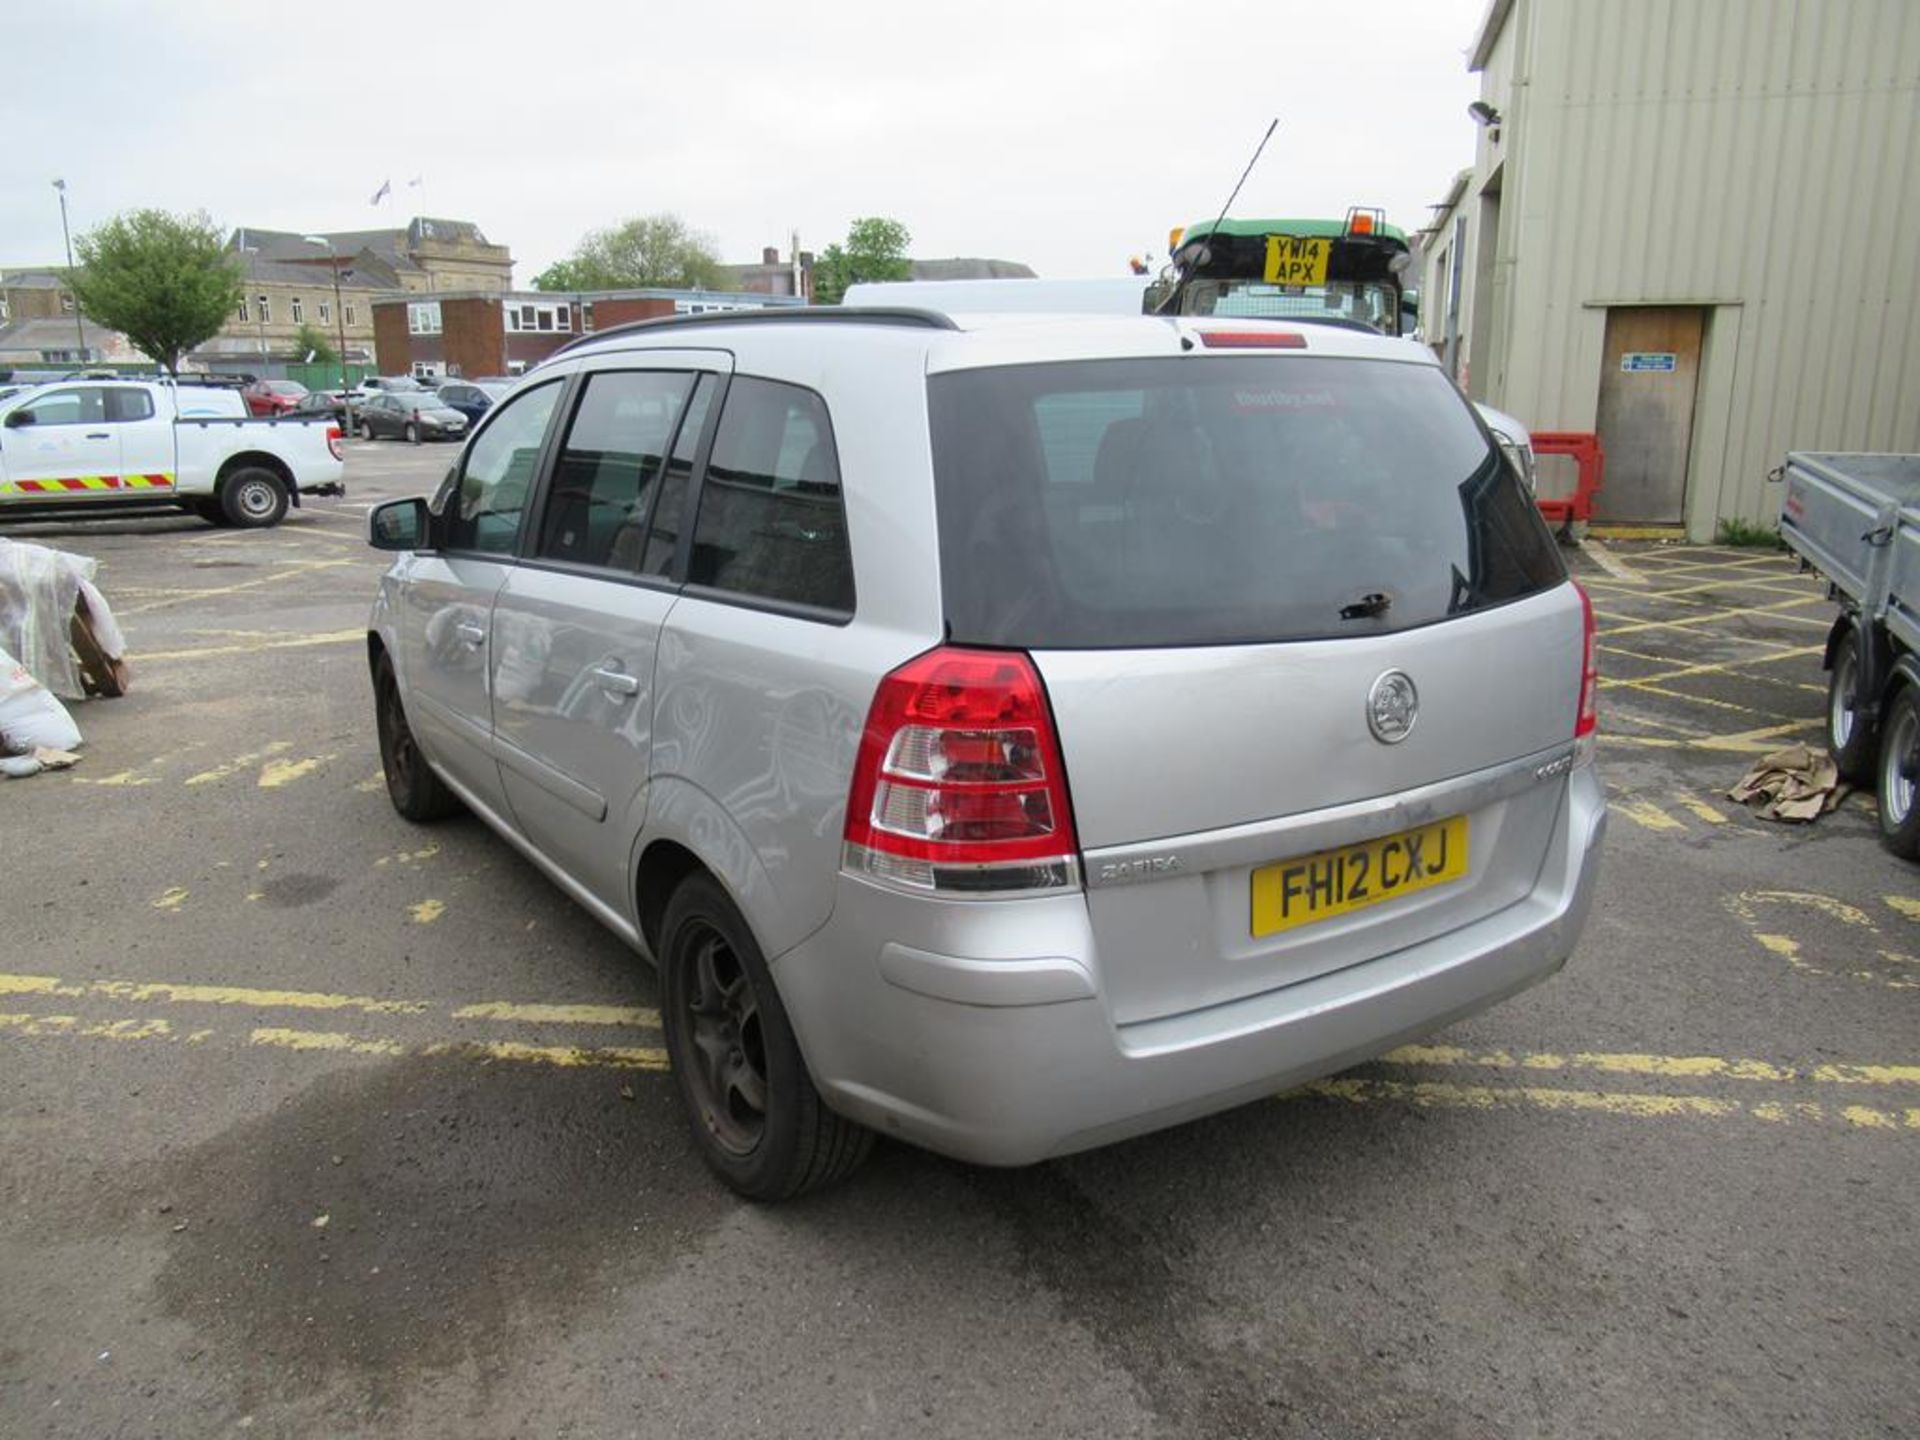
column 1213, row 500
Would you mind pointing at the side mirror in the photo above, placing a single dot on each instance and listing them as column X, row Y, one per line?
column 400, row 525
column 17, row 418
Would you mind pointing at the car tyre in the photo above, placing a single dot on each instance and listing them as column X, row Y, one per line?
column 755, row 1115
column 416, row 792
column 253, row 498
column 1851, row 737
column 1900, row 774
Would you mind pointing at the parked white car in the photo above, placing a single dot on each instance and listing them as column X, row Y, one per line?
column 109, row 444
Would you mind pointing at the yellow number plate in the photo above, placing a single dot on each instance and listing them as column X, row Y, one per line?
column 1297, row 260
column 1332, row 882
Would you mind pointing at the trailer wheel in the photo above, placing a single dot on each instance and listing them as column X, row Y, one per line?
column 1900, row 775
column 254, row 498
column 1851, row 737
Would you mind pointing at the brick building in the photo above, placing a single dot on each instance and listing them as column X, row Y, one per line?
column 478, row 333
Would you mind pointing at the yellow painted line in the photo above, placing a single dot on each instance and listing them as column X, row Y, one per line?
column 1648, row 688
column 1625, row 625
column 1699, row 808
column 291, row 572
column 1617, row 568
column 327, row 1040
column 1795, row 652
column 1440, row 1095
column 207, row 995
column 566, row 1056
column 427, row 911
column 1638, row 532
column 1645, row 815
column 276, row 773
column 239, row 763
column 1665, row 1067
column 73, row 1025
column 407, row 857
column 1744, row 742
column 1905, row 905
column 172, row 899
column 561, row 1014
column 296, row 642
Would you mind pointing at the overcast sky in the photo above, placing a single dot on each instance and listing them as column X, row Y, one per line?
column 1067, row 135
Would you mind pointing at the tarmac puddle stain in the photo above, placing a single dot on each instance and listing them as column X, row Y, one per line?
column 464, row 1205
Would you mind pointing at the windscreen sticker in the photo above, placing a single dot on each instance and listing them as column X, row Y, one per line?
column 1277, row 399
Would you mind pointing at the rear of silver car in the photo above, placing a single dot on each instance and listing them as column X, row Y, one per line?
column 1261, row 742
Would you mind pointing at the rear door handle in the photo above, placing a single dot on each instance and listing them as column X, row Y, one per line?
column 473, row 636
column 99, row 434
column 617, row 682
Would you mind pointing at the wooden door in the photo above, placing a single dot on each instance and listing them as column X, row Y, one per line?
column 1647, row 387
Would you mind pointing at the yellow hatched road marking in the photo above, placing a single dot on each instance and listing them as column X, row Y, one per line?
column 1428, row 1094
column 1626, row 625
column 1645, row 815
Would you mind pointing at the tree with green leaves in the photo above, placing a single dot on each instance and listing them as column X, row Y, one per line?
column 648, row 250
column 165, row 281
column 876, row 249
column 312, row 345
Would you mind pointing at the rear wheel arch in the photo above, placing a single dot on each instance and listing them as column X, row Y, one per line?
column 254, row 460
column 663, row 865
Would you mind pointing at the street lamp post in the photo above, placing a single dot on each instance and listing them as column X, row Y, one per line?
column 79, row 330
column 340, row 319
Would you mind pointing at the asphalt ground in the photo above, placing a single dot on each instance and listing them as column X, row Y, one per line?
column 315, row 1122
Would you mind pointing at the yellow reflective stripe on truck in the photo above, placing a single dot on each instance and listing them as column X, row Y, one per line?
column 70, row 483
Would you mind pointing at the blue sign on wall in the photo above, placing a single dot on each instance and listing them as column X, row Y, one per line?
column 1648, row 360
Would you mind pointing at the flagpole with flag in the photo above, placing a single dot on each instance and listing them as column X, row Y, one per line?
column 419, row 182
column 386, row 189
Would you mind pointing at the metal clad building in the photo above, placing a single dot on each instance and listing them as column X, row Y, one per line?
column 1694, row 226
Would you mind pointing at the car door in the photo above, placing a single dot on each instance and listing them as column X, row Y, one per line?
column 446, row 601
column 59, row 445
column 577, row 624
column 146, row 440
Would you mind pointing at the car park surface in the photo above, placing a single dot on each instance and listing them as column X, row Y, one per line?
column 1667, row 1192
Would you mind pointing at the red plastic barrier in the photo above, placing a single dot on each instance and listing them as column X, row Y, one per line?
column 1584, row 448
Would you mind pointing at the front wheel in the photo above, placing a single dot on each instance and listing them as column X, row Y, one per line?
column 415, row 790
column 1900, row 775
column 1850, row 737
column 254, row 498
column 756, row 1118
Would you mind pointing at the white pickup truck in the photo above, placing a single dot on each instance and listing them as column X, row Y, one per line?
column 90, row 445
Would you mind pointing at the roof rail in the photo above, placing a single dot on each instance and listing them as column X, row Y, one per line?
column 900, row 315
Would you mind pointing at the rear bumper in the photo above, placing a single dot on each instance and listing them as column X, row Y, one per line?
column 978, row 1029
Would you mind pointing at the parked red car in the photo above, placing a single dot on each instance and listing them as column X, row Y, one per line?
column 273, row 397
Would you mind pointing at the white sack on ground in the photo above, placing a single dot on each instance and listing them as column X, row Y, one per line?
column 38, row 589
column 30, row 717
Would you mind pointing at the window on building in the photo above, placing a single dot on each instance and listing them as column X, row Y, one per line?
column 425, row 370
column 770, row 522
column 423, row 318
column 242, row 315
column 535, row 318
column 266, row 310
column 346, row 309
column 299, row 311
column 326, row 313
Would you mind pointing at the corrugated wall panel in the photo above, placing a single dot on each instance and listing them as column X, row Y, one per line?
column 1763, row 154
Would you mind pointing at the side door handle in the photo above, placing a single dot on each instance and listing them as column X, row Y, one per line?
column 617, row 682
column 471, row 635
column 99, row 434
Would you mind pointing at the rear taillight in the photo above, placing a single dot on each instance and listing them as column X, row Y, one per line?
column 1589, row 714
column 333, row 442
column 958, row 786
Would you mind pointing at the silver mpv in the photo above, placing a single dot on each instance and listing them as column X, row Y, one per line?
column 1010, row 734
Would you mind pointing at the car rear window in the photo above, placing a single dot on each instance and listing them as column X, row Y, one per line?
column 1220, row 500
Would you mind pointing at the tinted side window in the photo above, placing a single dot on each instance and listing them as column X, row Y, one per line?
column 483, row 512
column 128, row 404
column 663, row 538
column 771, row 524
column 596, row 510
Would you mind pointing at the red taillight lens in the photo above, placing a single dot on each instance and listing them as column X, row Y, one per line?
column 1253, row 339
column 958, row 784
column 333, row 442
column 1589, row 719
